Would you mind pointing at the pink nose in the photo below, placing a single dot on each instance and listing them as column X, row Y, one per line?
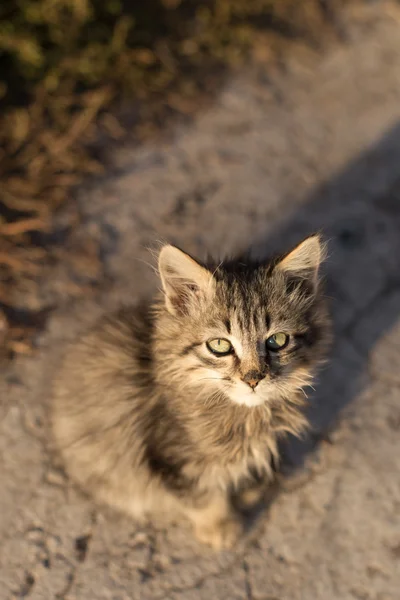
column 253, row 383
column 253, row 378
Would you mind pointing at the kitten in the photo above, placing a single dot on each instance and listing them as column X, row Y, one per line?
column 170, row 408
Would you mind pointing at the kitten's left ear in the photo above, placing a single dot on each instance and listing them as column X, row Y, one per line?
column 183, row 279
column 304, row 261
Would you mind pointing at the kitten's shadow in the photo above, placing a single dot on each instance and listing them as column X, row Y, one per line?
column 358, row 212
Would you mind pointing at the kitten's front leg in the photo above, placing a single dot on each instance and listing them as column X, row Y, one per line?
column 210, row 510
column 216, row 523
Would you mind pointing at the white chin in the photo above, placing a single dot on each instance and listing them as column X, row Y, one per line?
column 247, row 398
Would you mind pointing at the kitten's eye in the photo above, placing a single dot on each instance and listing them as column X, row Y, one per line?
column 277, row 341
column 219, row 346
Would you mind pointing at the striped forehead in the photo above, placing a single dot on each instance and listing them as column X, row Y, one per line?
column 248, row 318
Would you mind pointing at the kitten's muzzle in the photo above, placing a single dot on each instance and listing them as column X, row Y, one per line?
column 253, row 378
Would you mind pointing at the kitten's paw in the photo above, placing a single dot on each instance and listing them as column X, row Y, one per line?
column 222, row 535
column 250, row 498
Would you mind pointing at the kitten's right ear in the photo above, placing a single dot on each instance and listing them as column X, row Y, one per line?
column 183, row 279
column 304, row 261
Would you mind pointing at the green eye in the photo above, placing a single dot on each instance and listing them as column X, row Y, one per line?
column 219, row 346
column 277, row 341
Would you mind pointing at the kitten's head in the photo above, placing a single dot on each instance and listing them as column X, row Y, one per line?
column 246, row 330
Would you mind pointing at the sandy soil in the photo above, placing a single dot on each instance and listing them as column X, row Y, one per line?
column 316, row 146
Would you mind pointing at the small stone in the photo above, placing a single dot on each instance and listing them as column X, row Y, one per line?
column 55, row 478
column 139, row 539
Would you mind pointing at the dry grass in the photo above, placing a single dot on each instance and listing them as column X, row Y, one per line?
column 67, row 67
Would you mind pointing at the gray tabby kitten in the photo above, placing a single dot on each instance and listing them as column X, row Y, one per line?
column 171, row 408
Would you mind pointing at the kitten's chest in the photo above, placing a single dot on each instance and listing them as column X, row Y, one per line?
column 237, row 451
column 235, row 467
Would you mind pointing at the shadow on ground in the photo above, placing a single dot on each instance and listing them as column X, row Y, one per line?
column 358, row 212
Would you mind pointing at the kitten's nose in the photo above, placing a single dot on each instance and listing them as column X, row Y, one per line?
column 252, row 378
column 253, row 383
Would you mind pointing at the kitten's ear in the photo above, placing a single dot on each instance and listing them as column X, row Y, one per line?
column 183, row 279
column 304, row 260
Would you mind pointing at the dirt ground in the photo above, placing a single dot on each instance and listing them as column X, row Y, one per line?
column 315, row 146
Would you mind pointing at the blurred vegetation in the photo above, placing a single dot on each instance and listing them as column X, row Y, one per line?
column 68, row 66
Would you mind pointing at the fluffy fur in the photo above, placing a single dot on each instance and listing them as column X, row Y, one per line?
column 150, row 421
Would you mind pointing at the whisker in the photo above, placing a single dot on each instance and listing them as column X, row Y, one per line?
column 211, row 379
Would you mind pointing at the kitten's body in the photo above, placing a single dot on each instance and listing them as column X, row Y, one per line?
column 149, row 421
